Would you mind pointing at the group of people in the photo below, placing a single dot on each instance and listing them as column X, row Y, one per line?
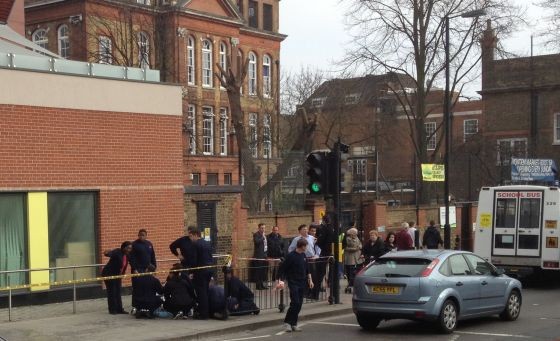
column 187, row 289
column 405, row 239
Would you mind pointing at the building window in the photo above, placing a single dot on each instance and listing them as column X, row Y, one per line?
column 470, row 128
column 253, row 14
column 72, row 233
column 223, row 131
column 318, row 102
column 223, row 59
column 240, row 6
column 508, row 148
column 208, row 130
column 357, row 166
column 143, row 50
column 252, row 74
column 267, row 17
column 240, row 64
column 195, row 179
column 557, row 128
column 207, row 63
column 351, row 99
column 212, row 179
column 190, row 61
column 266, row 76
column 191, row 128
column 105, row 50
column 143, row 2
column 267, row 138
column 431, row 135
column 63, row 41
column 227, row 179
column 253, row 142
column 40, row 38
column 13, row 249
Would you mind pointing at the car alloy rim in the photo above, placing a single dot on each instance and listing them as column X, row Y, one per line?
column 449, row 316
column 513, row 305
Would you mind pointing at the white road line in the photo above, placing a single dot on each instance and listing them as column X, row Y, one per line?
column 337, row 324
column 249, row 338
column 491, row 334
column 280, row 333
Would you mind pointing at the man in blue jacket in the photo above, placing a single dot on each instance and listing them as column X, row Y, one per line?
column 142, row 254
column 203, row 272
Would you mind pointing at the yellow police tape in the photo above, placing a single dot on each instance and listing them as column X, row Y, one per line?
column 97, row 279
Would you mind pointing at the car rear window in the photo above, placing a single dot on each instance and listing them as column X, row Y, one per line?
column 397, row 267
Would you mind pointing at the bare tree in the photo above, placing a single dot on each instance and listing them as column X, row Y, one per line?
column 408, row 37
column 550, row 32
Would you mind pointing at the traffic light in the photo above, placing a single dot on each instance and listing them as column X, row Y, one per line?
column 317, row 172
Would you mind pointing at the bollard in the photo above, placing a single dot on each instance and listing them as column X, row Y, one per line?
column 74, row 296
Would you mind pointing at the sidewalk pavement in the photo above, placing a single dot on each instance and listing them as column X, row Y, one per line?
column 99, row 325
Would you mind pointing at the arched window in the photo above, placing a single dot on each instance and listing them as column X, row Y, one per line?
column 40, row 38
column 240, row 63
column 252, row 74
column 190, row 61
column 267, row 78
column 223, row 56
column 143, row 50
column 267, row 137
column 206, row 63
column 63, row 41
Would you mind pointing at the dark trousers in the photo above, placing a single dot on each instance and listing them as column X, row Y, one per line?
column 114, row 301
column 296, row 300
column 201, row 284
column 261, row 272
column 319, row 272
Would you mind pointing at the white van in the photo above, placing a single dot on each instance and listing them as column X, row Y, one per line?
column 517, row 228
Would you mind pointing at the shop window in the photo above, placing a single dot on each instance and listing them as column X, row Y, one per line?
column 13, row 250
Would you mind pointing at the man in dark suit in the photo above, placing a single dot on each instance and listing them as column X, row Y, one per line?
column 117, row 264
column 203, row 274
column 275, row 245
column 142, row 254
column 259, row 253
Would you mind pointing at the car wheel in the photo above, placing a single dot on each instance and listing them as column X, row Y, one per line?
column 448, row 317
column 513, row 307
column 367, row 322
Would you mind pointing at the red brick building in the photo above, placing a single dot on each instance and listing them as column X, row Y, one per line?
column 185, row 40
column 84, row 164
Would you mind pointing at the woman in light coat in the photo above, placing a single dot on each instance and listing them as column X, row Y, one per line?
column 352, row 255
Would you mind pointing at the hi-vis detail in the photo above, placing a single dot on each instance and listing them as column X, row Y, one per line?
column 516, row 227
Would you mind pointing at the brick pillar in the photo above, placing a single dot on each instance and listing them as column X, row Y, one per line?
column 375, row 214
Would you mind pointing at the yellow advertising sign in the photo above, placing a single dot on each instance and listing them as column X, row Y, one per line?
column 485, row 220
column 550, row 224
column 433, row 172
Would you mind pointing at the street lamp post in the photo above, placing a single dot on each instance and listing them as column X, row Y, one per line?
column 447, row 123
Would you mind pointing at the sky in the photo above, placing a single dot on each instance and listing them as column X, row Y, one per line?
column 317, row 36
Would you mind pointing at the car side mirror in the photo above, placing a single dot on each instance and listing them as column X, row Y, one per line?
column 499, row 271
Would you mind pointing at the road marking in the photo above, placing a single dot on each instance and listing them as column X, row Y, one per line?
column 249, row 338
column 491, row 334
column 337, row 324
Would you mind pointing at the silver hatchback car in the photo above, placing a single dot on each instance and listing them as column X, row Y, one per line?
column 443, row 286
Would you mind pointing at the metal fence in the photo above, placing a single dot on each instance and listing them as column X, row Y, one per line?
column 266, row 297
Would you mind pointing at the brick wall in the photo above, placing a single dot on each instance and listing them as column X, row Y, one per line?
column 132, row 160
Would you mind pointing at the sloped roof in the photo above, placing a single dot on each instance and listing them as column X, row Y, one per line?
column 214, row 8
column 5, row 10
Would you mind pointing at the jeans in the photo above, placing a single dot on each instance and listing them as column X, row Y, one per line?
column 296, row 300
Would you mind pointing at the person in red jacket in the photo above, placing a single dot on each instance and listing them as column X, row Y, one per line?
column 403, row 241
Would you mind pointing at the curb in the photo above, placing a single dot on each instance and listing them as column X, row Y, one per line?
column 251, row 326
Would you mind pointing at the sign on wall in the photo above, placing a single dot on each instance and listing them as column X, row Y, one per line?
column 452, row 216
column 533, row 170
column 433, row 172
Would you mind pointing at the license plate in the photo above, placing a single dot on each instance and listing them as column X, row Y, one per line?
column 384, row 290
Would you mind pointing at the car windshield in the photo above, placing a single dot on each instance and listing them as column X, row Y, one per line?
column 397, row 267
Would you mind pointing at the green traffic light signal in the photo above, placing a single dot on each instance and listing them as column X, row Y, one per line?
column 315, row 188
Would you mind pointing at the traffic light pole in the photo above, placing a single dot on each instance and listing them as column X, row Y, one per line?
column 336, row 197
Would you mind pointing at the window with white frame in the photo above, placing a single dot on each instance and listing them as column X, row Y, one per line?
column 252, row 74
column 207, row 130
column 508, row 148
column 143, row 50
column 266, row 76
column 318, row 102
column 357, row 166
column 143, row 2
column 557, row 128
column 351, row 99
column 190, row 61
column 241, row 61
column 105, row 50
column 431, row 135
column 223, row 131
column 267, row 138
column 63, row 41
column 253, row 134
column 191, row 128
column 40, row 38
column 207, row 63
column 470, row 128
column 223, row 58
